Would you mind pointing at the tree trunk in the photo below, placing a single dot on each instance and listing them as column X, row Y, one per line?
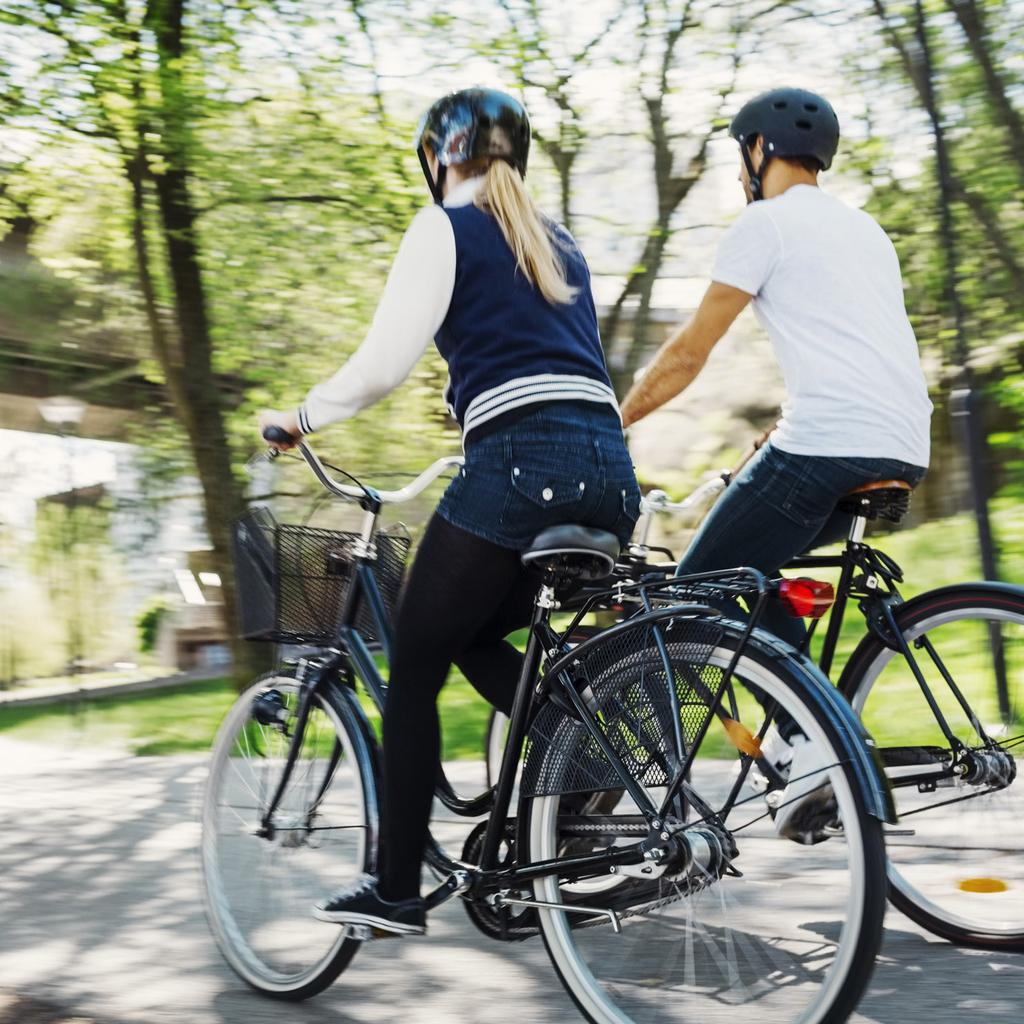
column 198, row 398
column 644, row 282
column 562, row 159
column 672, row 190
column 564, row 168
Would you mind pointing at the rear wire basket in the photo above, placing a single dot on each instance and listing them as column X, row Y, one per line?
column 293, row 580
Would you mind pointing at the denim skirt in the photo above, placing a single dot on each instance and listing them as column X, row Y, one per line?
column 561, row 463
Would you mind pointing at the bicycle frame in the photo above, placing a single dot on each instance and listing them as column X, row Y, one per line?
column 488, row 876
column 544, row 674
column 847, row 562
column 351, row 654
column 878, row 594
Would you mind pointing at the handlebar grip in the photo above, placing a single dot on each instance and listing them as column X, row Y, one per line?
column 278, row 435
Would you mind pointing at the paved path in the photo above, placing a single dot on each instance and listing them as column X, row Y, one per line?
column 101, row 922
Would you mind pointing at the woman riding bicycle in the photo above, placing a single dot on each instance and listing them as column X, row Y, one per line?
column 505, row 294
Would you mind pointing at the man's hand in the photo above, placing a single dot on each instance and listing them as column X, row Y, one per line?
column 288, row 421
column 683, row 356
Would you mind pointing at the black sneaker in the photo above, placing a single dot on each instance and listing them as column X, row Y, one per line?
column 361, row 904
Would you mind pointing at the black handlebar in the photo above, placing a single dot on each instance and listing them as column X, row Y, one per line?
column 278, row 435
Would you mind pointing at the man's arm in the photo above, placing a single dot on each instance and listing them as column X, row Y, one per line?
column 683, row 356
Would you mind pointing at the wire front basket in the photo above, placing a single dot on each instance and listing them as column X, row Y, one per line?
column 293, row 580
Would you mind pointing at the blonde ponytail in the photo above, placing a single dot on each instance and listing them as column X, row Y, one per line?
column 531, row 240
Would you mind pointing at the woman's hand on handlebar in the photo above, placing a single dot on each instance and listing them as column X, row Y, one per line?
column 280, row 429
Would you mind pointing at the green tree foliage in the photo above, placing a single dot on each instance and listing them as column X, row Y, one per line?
column 978, row 83
column 212, row 190
column 225, row 200
column 147, row 623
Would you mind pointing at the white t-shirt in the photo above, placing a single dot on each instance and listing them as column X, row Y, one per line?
column 827, row 288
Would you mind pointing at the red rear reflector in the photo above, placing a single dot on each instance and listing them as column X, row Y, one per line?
column 806, row 598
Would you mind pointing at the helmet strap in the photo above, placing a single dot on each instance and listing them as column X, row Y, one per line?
column 756, row 176
column 436, row 187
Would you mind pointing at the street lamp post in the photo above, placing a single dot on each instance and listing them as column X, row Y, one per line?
column 64, row 414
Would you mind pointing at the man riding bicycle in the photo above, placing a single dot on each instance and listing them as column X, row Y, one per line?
column 824, row 281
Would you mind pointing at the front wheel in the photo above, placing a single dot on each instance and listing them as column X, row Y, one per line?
column 494, row 745
column 956, row 860
column 790, row 935
column 262, row 878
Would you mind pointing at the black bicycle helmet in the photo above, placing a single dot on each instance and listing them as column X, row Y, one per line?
column 791, row 123
column 470, row 124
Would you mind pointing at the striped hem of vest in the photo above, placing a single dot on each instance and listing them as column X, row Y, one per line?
column 544, row 387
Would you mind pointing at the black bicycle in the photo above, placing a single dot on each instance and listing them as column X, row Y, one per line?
column 632, row 843
column 939, row 680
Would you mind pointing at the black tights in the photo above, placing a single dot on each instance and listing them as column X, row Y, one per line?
column 463, row 596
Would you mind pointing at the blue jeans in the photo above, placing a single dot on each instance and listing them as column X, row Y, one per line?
column 562, row 463
column 779, row 506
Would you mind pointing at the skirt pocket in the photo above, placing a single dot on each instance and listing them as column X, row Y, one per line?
column 549, row 475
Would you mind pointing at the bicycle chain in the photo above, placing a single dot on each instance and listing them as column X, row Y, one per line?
column 645, row 908
column 634, row 830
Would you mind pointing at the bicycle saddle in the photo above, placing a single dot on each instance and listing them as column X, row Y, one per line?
column 573, row 552
column 881, row 499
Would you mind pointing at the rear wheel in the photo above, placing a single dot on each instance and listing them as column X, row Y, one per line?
column 956, row 861
column 790, row 936
column 261, row 883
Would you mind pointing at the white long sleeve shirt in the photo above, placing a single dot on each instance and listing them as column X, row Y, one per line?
column 411, row 310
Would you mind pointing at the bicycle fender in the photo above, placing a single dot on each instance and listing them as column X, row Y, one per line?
column 367, row 752
column 908, row 610
column 578, row 770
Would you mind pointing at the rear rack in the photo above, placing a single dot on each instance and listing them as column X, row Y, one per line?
column 712, row 589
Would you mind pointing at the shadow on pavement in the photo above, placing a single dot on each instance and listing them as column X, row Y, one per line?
column 100, row 890
column 932, row 982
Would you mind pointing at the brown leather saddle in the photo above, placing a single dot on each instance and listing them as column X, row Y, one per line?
column 881, row 499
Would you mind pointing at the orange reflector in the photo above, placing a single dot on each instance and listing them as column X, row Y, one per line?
column 983, row 885
column 742, row 738
column 806, row 598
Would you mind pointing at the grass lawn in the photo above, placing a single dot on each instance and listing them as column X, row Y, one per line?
column 185, row 718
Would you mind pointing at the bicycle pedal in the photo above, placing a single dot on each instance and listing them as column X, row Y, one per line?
column 362, row 932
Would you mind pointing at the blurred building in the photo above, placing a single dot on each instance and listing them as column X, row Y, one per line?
column 56, row 341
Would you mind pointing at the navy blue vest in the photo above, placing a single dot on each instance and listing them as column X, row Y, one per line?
column 506, row 346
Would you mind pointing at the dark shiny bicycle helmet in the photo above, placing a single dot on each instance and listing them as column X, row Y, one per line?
column 470, row 124
column 791, row 123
